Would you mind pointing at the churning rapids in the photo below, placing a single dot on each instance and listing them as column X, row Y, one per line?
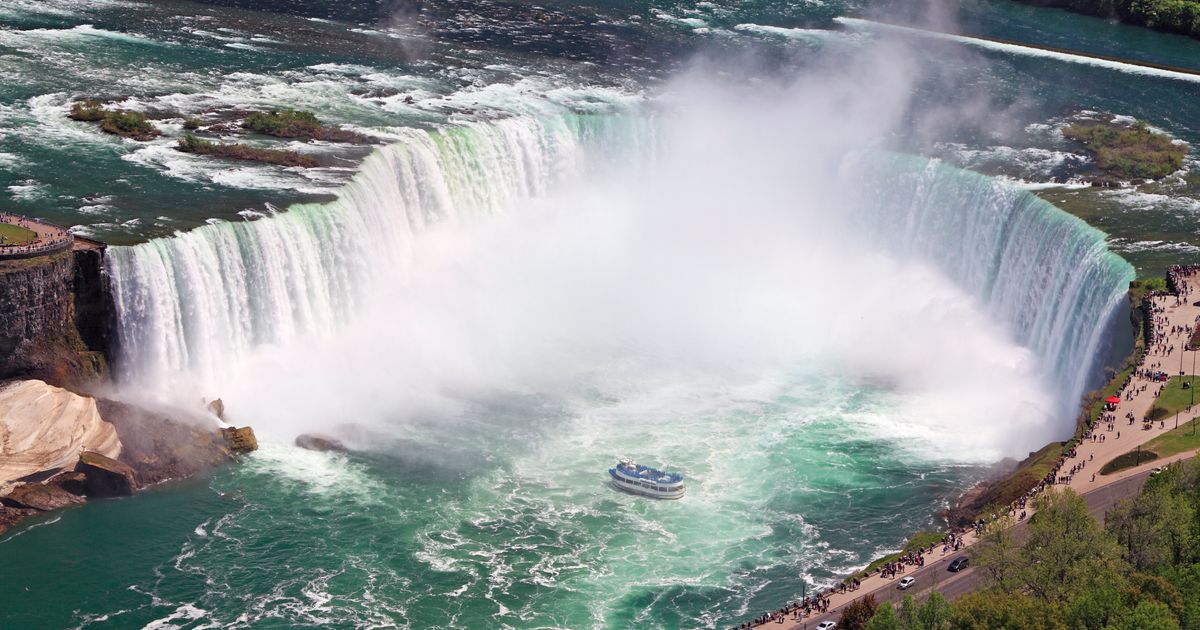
column 829, row 341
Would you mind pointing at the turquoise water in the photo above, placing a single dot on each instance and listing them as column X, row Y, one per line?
column 502, row 520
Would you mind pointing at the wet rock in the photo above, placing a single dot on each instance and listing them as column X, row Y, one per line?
column 106, row 477
column 240, row 440
column 40, row 497
column 217, row 408
column 318, row 442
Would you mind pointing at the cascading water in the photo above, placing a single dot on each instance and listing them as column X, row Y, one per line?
column 1047, row 275
column 196, row 302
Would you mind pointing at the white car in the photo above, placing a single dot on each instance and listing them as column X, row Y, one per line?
column 906, row 582
column 827, row 625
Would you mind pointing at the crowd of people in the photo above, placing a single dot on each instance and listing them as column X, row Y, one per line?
column 46, row 238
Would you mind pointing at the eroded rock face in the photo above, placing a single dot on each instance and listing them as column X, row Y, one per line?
column 42, row 497
column 43, row 428
column 106, row 477
column 240, row 440
column 318, row 442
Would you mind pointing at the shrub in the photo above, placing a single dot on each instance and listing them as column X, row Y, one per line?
column 129, row 124
column 87, row 111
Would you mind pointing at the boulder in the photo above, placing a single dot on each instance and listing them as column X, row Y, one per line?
column 217, row 408
column 71, row 481
column 318, row 442
column 240, row 440
column 105, row 477
column 37, row 496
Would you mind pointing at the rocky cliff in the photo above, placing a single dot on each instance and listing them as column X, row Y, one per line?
column 54, row 317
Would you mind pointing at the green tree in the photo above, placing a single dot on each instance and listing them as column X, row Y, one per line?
column 934, row 614
column 1154, row 528
column 1066, row 550
column 885, row 619
column 997, row 554
column 858, row 613
column 988, row 610
column 1147, row 616
column 908, row 612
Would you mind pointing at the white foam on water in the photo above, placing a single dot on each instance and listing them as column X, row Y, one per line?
column 1026, row 51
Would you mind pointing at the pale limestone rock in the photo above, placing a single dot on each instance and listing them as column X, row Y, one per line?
column 43, row 427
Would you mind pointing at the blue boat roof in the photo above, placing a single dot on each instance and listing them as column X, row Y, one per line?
column 648, row 473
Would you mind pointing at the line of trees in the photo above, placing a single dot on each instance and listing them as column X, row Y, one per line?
column 1140, row 570
column 1173, row 16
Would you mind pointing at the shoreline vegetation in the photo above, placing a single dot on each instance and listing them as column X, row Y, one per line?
column 1181, row 17
column 1127, row 152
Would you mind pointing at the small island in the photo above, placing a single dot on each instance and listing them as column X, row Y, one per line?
column 1127, row 152
column 291, row 123
column 244, row 152
column 127, row 124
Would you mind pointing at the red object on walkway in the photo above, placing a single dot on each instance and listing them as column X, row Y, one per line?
column 1112, row 400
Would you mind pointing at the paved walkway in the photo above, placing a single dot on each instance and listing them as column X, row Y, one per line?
column 50, row 238
column 1163, row 354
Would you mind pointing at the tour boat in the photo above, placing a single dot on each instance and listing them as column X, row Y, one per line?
column 647, row 481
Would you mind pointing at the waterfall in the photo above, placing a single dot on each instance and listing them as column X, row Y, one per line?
column 195, row 303
column 1047, row 275
column 190, row 305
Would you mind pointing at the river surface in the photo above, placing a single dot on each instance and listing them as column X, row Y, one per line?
column 500, row 364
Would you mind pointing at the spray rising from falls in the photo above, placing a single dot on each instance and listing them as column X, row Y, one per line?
column 1047, row 275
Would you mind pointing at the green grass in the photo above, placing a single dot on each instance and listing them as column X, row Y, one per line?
column 916, row 541
column 15, row 234
column 1174, row 399
column 1129, row 460
column 1133, row 152
column 1176, row 441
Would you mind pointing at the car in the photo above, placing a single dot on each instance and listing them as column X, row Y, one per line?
column 958, row 564
column 1155, row 470
column 827, row 625
column 906, row 582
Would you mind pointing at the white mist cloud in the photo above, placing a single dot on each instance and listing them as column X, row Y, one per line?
column 726, row 261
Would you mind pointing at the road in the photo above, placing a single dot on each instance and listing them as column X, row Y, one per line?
column 934, row 576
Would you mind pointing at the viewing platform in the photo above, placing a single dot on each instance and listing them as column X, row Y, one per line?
column 22, row 237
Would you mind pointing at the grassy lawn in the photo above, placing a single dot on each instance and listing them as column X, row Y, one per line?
column 1173, row 399
column 15, row 234
column 1131, row 459
column 1176, row 441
